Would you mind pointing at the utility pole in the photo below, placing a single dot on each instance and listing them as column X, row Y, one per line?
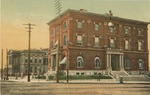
column 2, row 65
column 6, row 64
column 58, row 10
column 29, row 30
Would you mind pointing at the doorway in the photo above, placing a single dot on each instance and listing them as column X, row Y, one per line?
column 115, row 62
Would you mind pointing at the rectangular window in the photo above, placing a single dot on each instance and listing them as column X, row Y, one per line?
column 126, row 31
column 111, row 29
column 79, row 40
column 52, row 31
column 40, row 60
column 65, row 40
column 35, row 60
column 79, row 24
column 31, row 69
column 30, row 59
column 65, row 25
column 35, row 69
column 96, row 27
column 97, row 41
column 26, row 60
column 52, row 44
column 112, row 43
column 140, row 45
column 126, row 44
column 139, row 33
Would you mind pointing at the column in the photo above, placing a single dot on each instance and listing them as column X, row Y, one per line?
column 121, row 62
column 110, row 61
column 51, row 66
column 107, row 61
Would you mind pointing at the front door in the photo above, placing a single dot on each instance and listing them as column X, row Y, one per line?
column 115, row 62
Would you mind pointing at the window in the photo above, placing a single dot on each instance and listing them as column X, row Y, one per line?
column 26, row 60
column 96, row 27
column 52, row 31
column 31, row 69
column 35, row 69
column 79, row 24
column 140, row 45
column 126, row 31
column 140, row 32
column 97, row 41
column 97, row 62
column 79, row 62
column 127, row 63
column 65, row 25
column 141, row 64
column 111, row 29
column 52, row 44
column 30, row 59
column 112, row 43
column 79, row 40
column 35, row 60
column 26, row 70
column 126, row 44
column 65, row 40
column 40, row 60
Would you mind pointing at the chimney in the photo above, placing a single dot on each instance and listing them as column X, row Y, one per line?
column 83, row 11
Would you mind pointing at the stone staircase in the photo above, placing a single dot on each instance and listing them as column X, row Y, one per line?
column 127, row 77
column 136, row 78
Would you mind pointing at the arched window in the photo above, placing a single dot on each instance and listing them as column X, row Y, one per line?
column 80, row 61
column 127, row 63
column 141, row 64
column 97, row 62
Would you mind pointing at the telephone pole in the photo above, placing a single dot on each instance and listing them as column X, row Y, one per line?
column 58, row 10
column 29, row 30
column 2, row 65
column 6, row 64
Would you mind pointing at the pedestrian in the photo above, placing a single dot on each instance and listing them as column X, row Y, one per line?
column 98, row 77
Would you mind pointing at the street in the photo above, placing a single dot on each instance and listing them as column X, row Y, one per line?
column 49, row 88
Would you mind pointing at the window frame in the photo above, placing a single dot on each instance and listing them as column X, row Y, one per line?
column 97, row 65
column 80, row 62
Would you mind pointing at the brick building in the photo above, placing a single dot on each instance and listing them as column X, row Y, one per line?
column 92, row 43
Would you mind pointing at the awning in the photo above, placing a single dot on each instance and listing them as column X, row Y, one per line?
column 63, row 61
column 56, row 43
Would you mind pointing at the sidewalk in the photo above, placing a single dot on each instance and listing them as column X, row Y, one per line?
column 75, row 81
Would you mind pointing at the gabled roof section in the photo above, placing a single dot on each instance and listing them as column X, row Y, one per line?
column 98, row 15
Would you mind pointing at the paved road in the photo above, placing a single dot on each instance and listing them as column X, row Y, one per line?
column 50, row 88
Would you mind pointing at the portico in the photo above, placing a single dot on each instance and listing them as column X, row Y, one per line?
column 114, row 60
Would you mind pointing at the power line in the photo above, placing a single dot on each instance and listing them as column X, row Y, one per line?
column 29, row 30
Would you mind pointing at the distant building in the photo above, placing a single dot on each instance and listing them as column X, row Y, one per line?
column 91, row 43
column 18, row 61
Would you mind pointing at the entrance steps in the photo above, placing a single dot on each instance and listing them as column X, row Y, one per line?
column 127, row 77
column 136, row 78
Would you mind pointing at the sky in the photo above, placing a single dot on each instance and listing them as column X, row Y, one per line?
column 15, row 13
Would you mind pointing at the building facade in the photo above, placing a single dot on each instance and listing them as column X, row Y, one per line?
column 18, row 61
column 91, row 43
